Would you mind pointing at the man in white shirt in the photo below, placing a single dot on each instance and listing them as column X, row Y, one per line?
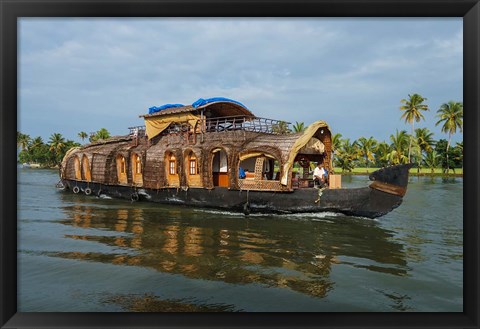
column 319, row 176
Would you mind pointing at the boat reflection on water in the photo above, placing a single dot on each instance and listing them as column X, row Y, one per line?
column 290, row 252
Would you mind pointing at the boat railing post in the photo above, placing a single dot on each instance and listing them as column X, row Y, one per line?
column 202, row 124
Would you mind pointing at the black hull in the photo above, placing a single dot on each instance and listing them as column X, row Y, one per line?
column 363, row 202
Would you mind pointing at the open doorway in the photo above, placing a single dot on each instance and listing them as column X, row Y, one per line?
column 220, row 168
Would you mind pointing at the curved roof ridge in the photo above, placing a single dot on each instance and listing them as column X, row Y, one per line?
column 299, row 143
column 200, row 103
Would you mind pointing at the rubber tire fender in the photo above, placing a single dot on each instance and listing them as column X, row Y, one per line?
column 134, row 197
column 88, row 191
column 76, row 189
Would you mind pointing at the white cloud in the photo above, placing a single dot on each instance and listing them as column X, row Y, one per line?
column 453, row 43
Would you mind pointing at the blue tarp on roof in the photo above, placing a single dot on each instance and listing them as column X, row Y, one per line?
column 196, row 104
column 201, row 101
column 155, row 109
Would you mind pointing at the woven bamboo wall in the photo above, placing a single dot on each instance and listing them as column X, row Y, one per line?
column 86, row 168
column 153, row 170
column 99, row 162
column 70, row 167
column 102, row 157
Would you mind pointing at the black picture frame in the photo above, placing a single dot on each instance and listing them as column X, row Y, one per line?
column 11, row 10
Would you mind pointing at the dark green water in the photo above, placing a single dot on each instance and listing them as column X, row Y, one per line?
column 79, row 253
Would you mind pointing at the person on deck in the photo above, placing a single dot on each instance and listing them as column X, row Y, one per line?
column 325, row 175
column 319, row 176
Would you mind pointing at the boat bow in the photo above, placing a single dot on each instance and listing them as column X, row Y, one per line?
column 392, row 180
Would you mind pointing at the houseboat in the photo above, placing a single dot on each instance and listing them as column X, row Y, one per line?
column 192, row 155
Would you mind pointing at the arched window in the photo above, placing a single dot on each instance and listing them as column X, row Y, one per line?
column 78, row 171
column 171, row 170
column 172, row 164
column 192, row 169
column 122, row 169
column 138, row 164
column 137, row 169
column 86, row 175
column 259, row 166
column 192, row 164
column 123, row 166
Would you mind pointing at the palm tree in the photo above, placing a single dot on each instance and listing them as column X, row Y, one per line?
column 298, row 127
column 460, row 153
column 36, row 142
column 460, row 146
column 413, row 107
column 347, row 154
column 57, row 144
column 424, row 143
column 424, row 139
column 398, row 147
column 38, row 151
column 281, row 128
column 381, row 154
column 103, row 133
column 83, row 135
column 23, row 141
column 432, row 160
column 367, row 148
column 451, row 115
column 416, row 154
column 336, row 143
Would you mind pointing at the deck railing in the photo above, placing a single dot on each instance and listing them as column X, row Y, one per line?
column 254, row 124
column 230, row 123
column 138, row 130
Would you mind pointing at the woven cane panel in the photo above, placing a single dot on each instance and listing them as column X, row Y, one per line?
column 262, row 185
column 259, row 168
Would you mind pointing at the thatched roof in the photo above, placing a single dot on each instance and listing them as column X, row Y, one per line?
column 225, row 108
column 214, row 109
column 173, row 110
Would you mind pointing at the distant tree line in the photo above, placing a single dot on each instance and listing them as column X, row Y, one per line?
column 51, row 153
column 418, row 147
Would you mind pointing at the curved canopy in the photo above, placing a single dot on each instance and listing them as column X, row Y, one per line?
column 221, row 107
column 203, row 102
column 313, row 146
column 299, row 143
column 214, row 107
column 159, row 118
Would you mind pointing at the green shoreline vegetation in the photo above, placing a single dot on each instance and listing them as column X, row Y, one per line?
column 358, row 157
column 413, row 172
column 38, row 154
column 429, row 156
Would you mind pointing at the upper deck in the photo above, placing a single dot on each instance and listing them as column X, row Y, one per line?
column 205, row 116
column 220, row 124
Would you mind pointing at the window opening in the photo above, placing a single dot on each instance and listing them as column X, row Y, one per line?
column 123, row 166
column 193, row 167
column 138, row 165
column 172, row 166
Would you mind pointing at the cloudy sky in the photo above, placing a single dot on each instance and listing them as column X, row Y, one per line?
column 85, row 74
